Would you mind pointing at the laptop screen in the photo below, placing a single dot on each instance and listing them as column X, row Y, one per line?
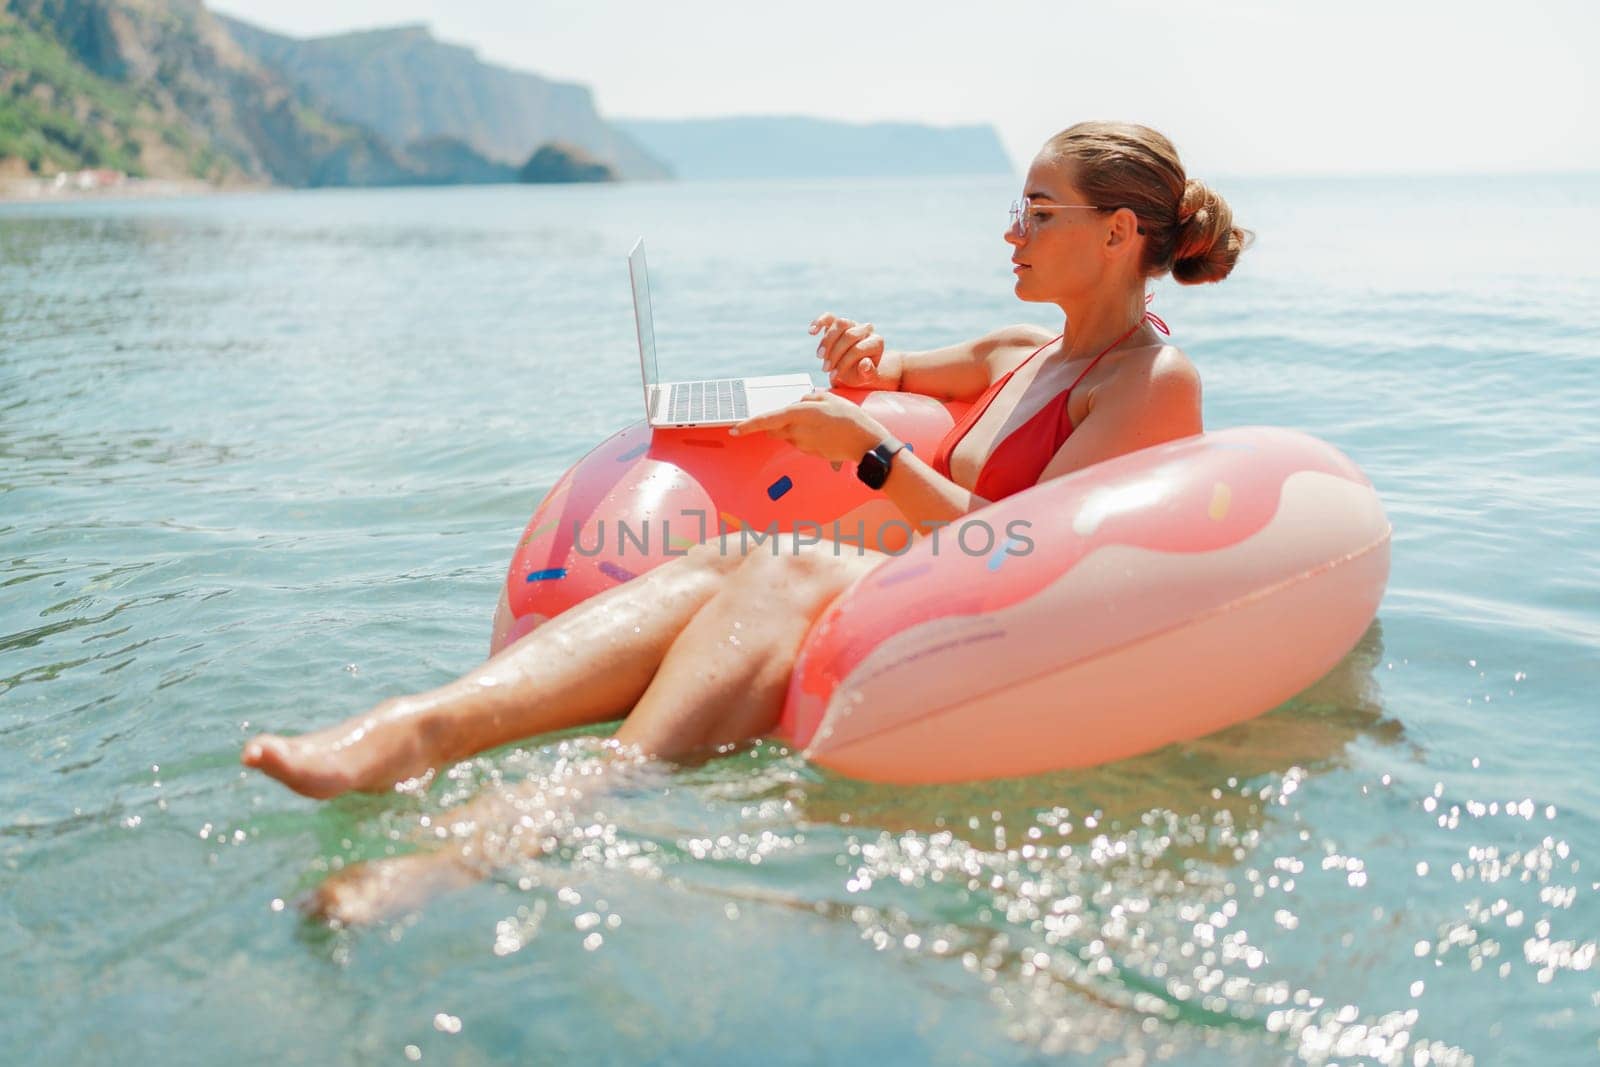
column 641, row 313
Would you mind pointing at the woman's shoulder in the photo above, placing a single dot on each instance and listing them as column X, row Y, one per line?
column 1156, row 373
column 1021, row 335
column 1171, row 360
column 1008, row 346
column 1030, row 334
column 1163, row 361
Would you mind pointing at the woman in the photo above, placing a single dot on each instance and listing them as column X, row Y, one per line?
column 700, row 648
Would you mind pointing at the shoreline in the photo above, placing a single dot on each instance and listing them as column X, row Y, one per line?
column 49, row 191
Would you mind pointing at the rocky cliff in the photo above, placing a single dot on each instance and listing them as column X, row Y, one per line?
column 164, row 89
column 405, row 84
column 557, row 162
column 159, row 89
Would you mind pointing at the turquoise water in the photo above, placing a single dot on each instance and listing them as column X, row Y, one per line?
column 262, row 463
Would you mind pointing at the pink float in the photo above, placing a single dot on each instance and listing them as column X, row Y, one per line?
column 1143, row 601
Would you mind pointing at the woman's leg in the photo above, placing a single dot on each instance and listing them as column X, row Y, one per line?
column 723, row 680
column 590, row 664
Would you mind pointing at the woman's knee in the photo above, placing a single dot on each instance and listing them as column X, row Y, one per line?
column 713, row 558
column 807, row 574
column 737, row 555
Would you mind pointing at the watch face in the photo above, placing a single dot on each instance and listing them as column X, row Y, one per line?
column 874, row 468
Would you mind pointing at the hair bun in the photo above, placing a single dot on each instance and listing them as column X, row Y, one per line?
column 1194, row 199
column 1208, row 243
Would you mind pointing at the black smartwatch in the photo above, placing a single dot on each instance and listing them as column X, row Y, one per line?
column 874, row 466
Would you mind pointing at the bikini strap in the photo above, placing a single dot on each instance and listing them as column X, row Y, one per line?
column 1153, row 319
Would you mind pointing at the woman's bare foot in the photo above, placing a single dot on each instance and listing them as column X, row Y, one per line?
column 498, row 829
column 369, row 753
column 370, row 892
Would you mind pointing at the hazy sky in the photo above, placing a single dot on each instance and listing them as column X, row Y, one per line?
column 1242, row 86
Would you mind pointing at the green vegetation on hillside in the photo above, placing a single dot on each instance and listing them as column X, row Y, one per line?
column 57, row 115
column 42, row 93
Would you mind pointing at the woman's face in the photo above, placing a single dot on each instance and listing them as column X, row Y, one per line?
column 1059, row 245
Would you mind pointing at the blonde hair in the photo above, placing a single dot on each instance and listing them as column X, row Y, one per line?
column 1189, row 229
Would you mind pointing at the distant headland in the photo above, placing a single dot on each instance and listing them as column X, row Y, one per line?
column 792, row 146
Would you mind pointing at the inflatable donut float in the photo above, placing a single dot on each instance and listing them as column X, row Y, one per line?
column 1143, row 601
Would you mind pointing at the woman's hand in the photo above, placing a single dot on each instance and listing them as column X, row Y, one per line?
column 821, row 425
column 851, row 352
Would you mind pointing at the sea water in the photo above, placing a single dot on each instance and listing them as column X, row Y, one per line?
column 263, row 460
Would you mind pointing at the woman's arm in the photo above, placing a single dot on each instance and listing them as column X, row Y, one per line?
column 925, row 497
column 961, row 371
column 855, row 356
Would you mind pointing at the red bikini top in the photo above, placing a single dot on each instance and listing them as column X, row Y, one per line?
column 1020, row 457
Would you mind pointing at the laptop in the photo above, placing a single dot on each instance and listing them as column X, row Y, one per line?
column 708, row 402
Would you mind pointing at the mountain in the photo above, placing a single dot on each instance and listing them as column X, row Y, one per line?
column 165, row 89
column 795, row 147
column 157, row 88
column 407, row 85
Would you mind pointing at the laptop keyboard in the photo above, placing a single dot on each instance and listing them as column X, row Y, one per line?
column 717, row 400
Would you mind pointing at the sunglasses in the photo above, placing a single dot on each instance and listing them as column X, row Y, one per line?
column 1025, row 213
